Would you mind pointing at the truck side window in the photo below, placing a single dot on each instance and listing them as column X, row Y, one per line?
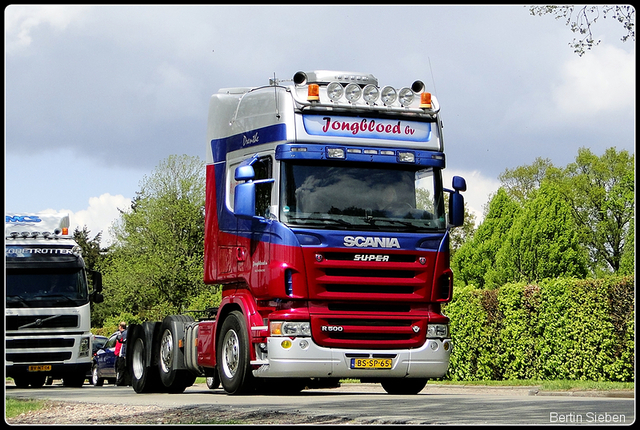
column 263, row 170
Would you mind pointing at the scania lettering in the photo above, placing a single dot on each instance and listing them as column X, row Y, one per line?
column 371, row 242
column 47, row 312
column 302, row 176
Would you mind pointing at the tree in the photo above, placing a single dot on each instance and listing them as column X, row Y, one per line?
column 92, row 256
column 90, row 247
column 155, row 267
column 580, row 20
column 475, row 259
column 542, row 243
column 521, row 181
column 601, row 193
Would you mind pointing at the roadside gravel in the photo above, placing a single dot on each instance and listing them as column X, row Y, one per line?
column 93, row 413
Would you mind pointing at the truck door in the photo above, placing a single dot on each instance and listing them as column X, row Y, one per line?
column 254, row 235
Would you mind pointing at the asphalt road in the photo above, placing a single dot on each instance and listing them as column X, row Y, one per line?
column 370, row 404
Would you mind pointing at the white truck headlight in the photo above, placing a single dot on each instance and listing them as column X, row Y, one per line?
column 290, row 328
column 83, row 350
column 437, row 331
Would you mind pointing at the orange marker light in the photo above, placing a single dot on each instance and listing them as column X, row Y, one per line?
column 65, row 231
column 313, row 93
column 425, row 100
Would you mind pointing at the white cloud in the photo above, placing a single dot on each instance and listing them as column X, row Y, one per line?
column 479, row 190
column 602, row 80
column 98, row 217
column 21, row 21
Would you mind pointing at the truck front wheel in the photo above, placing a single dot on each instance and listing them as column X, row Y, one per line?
column 232, row 355
column 404, row 386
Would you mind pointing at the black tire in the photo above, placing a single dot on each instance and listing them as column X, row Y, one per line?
column 175, row 380
column 75, row 381
column 213, row 382
column 33, row 381
column 144, row 376
column 21, row 381
column 404, row 386
column 232, row 355
column 95, row 379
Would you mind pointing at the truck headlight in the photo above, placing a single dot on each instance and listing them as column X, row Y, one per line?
column 437, row 331
column 83, row 351
column 290, row 328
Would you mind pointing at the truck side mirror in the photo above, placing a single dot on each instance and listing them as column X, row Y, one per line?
column 244, row 200
column 96, row 295
column 456, row 202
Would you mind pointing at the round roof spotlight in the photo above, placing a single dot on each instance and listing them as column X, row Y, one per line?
column 335, row 91
column 353, row 92
column 370, row 93
column 388, row 95
column 417, row 86
column 405, row 96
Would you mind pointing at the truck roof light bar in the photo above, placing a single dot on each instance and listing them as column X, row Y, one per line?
column 343, row 90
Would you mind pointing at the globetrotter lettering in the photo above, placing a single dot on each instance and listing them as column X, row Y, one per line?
column 22, row 251
column 371, row 242
column 365, row 125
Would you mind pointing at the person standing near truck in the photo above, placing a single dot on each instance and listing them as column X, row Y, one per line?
column 121, row 351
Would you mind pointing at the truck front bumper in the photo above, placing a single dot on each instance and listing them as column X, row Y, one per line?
column 304, row 359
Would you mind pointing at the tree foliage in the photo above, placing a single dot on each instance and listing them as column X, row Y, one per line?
column 475, row 261
column 601, row 193
column 543, row 242
column 580, row 19
column 548, row 222
column 155, row 265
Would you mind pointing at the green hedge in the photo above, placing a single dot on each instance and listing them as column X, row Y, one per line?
column 559, row 329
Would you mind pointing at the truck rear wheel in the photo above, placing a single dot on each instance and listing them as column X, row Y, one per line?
column 232, row 355
column 404, row 386
column 174, row 379
column 144, row 376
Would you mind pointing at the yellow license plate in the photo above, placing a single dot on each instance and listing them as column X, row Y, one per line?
column 40, row 368
column 371, row 363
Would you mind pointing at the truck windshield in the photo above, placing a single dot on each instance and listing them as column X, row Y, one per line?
column 363, row 196
column 46, row 287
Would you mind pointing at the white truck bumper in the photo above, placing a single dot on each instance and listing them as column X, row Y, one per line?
column 304, row 359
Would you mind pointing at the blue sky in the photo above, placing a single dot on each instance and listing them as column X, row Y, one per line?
column 97, row 96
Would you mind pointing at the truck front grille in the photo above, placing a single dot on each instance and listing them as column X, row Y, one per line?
column 368, row 332
column 30, row 322
column 38, row 357
column 40, row 343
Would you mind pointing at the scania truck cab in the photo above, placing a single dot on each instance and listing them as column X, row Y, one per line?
column 327, row 226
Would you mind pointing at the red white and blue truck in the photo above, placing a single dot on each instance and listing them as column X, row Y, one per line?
column 47, row 302
column 327, row 230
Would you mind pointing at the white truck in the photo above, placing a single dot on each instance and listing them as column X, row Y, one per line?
column 47, row 302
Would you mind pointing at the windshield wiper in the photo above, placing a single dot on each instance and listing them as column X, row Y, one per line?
column 330, row 220
column 57, row 296
column 19, row 299
column 373, row 221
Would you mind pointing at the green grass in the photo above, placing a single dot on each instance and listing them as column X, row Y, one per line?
column 15, row 407
column 560, row 385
